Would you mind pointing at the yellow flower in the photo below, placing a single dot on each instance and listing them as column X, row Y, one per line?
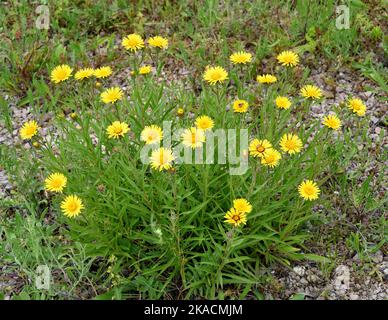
column 29, row 129
column 98, row 84
column 291, row 143
column 102, row 72
column 133, row 42
column 283, row 102
column 145, row 69
column 235, row 217
column 55, row 182
column 180, row 112
column 193, row 137
column 61, row 73
column 271, row 158
column 241, row 57
column 288, row 58
column 257, row 148
column 73, row 115
column 332, row 121
column 158, row 42
column 215, row 74
column 242, row 205
column 266, row 78
column 310, row 91
column 204, row 123
column 84, row 73
column 151, row 134
column 111, row 95
column 117, row 129
column 240, row 106
column 308, row 190
column 71, row 206
column 161, row 159
column 357, row 106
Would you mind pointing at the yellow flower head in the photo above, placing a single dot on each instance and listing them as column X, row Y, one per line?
column 215, row 74
column 180, row 112
column 235, row 217
column 117, row 129
column 288, row 58
column 72, row 206
column 29, row 129
column 61, row 73
column 145, row 69
column 102, row 72
column 151, row 134
column 84, row 73
column 332, row 121
column 271, row 158
column 204, row 123
column 55, row 182
column 311, row 92
column 111, row 95
column 357, row 106
column 240, row 106
column 309, row 190
column 241, row 57
column 193, row 137
column 257, row 148
column 291, row 143
column 283, row 102
column 242, row 205
column 266, row 78
column 133, row 42
column 158, row 42
column 161, row 159
column 73, row 115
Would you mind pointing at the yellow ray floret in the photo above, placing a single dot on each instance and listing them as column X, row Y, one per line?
column 204, row 123
column 102, row 72
column 332, row 121
column 145, row 69
column 214, row 75
column 235, row 217
column 158, row 42
column 310, row 91
column 84, row 73
column 288, row 58
column 55, row 182
column 61, row 73
column 283, row 102
column 291, row 143
column 309, row 190
column 257, row 148
column 266, row 78
column 72, row 206
column 161, row 159
column 117, row 129
column 111, row 95
column 357, row 106
column 193, row 137
column 242, row 205
column 271, row 158
column 240, row 106
column 133, row 42
column 29, row 129
column 240, row 57
column 151, row 134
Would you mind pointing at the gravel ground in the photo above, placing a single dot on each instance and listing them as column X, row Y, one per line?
column 352, row 279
